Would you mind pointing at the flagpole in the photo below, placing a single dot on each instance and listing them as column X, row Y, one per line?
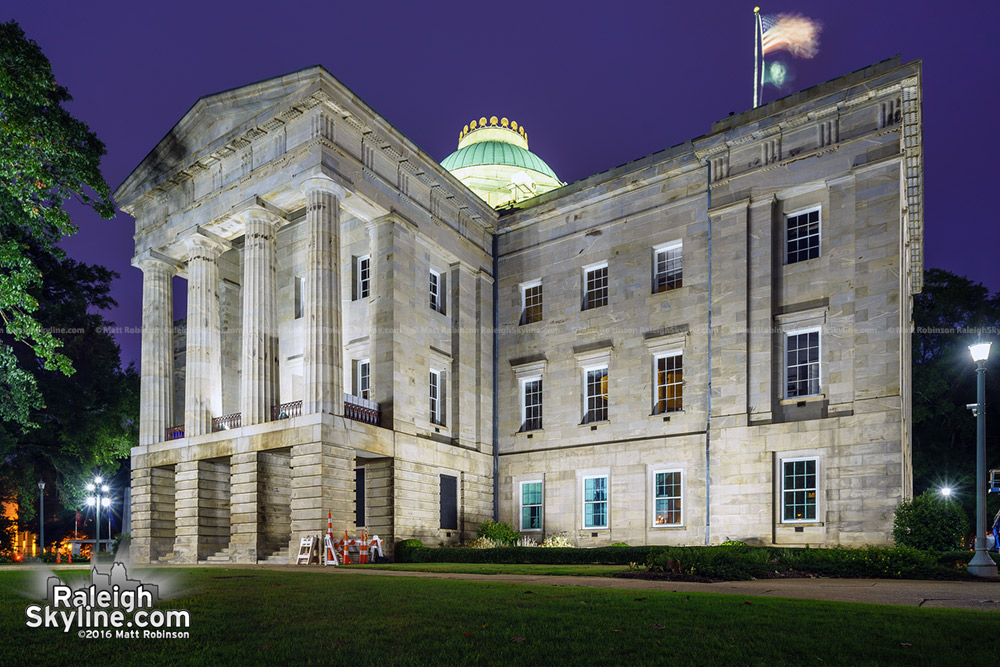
column 756, row 43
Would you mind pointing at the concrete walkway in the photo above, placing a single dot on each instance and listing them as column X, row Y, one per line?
column 978, row 595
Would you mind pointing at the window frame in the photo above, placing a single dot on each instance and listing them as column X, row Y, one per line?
column 436, row 297
column 606, row 502
column 819, row 233
column 656, row 382
column 814, row 488
column 524, row 287
column 819, row 363
column 663, row 248
column 360, row 387
column 680, row 497
column 362, row 285
column 540, row 506
column 435, row 405
column 522, row 383
column 586, row 395
column 607, row 285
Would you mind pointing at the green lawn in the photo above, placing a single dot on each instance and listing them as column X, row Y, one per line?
column 503, row 568
column 248, row 617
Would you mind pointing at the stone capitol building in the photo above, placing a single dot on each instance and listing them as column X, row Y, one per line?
column 708, row 343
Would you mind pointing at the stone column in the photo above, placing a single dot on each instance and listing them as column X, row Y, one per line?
column 203, row 375
column 259, row 377
column 156, row 386
column 464, row 392
column 322, row 367
column 245, row 505
column 381, row 312
column 203, row 516
column 322, row 481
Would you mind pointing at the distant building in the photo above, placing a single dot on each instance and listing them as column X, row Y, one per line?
column 708, row 343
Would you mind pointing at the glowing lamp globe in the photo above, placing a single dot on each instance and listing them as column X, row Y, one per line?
column 946, row 491
column 91, row 487
column 980, row 351
column 91, row 501
column 105, row 502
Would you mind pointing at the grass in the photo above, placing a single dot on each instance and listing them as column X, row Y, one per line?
column 241, row 616
column 502, row 568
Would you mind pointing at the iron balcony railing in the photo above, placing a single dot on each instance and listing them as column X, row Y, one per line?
column 227, row 422
column 174, row 432
column 361, row 409
column 286, row 410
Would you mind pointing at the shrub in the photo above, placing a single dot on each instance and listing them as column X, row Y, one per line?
column 483, row 543
column 721, row 562
column 123, row 540
column 404, row 550
column 929, row 522
column 556, row 541
column 498, row 531
column 526, row 541
column 619, row 544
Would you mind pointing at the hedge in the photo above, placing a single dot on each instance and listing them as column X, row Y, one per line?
column 729, row 562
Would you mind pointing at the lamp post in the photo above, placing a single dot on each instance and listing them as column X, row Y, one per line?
column 98, row 501
column 41, row 518
column 981, row 564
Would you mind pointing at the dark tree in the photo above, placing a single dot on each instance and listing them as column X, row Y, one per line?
column 46, row 157
column 951, row 313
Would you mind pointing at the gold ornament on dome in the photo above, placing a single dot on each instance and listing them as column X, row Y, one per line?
column 504, row 122
column 521, row 130
column 465, row 129
column 513, row 124
column 493, row 121
column 482, row 122
column 472, row 125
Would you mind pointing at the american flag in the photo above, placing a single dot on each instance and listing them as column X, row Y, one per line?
column 792, row 32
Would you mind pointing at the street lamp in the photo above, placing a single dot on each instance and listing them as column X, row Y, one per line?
column 41, row 518
column 981, row 564
column 98, row 501
column 946, row 492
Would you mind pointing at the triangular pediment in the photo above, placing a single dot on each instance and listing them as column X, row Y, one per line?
column 213, row 118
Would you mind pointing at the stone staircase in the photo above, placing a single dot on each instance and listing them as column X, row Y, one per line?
column 218, row 557
column 279, row 557
column 166, row 558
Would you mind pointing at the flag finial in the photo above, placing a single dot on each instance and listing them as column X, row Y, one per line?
column 756, row 10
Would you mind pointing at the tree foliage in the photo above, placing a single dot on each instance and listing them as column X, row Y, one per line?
column 930, row 522
column 951, row 313
column 88, row 419
column 46, row 157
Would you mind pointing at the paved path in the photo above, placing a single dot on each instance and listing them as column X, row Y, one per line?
column 980, row 595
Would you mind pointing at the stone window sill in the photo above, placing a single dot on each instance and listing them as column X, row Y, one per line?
column 803, row 399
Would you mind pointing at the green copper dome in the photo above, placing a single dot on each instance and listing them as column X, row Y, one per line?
column 496, row 152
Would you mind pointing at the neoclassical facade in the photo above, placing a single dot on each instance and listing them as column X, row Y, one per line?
column 708, row 343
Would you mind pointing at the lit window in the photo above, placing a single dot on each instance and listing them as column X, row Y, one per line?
column 437, row 302
column 436, row 403
column 669, row 383
column 595, row 502
column 363, row 272
column 362, row 379
column 595, row 286
column 667, row 268
column 531, row 302
column 798, row 490
column 802, row 236
column 531, row 404
column 667, row 501
column 802, row 351
column 531, row 506
column 595, row 382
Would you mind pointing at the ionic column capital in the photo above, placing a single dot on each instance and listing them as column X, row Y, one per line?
column 323, row 184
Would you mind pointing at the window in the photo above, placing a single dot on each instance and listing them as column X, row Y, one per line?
column 798, row 490
column 359, row 497
column 667, row 500
column 298, row 297
column 449, row 502
column 595, row 286
column 669, row 383
column 595, row 502
column 595, row 381
column 667, row 271
column 802, row 363
column 531, row 302
column 531, row 506
column 437, row 303
column 362, row 379
column 802, row 236
column 362, row 272
column 531, row 404
column 435, row 398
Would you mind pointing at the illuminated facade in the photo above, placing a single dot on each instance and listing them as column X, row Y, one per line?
column 707, row 343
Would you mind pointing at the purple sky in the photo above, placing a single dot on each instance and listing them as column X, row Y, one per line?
column 595, row 84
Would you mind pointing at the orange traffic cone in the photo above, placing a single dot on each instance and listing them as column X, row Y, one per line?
column 58, row 556
column 69, row 557
column 347, row 557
